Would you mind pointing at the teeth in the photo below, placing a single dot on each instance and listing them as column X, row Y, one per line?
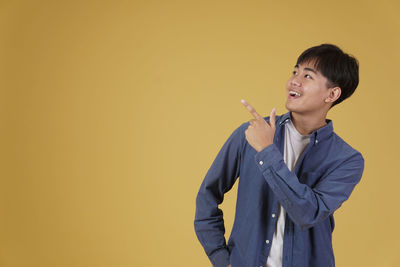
column 294, row 93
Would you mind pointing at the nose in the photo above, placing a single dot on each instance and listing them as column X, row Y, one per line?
column 295, row 81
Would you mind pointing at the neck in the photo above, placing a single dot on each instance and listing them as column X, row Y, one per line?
column 308, row 123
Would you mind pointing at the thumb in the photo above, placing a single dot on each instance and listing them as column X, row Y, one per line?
column 272, row 118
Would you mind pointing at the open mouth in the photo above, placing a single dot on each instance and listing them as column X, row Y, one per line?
column 294, row 94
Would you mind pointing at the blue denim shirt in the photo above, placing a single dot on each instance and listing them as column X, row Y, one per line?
column 324, row 178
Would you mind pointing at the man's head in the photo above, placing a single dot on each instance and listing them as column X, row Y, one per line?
column 324, row 76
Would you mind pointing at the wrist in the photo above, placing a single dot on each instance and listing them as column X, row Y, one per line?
column 263, row 147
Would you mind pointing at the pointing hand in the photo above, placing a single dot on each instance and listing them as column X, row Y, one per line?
column 260, row 134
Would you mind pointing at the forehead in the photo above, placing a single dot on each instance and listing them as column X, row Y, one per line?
column 309, row 66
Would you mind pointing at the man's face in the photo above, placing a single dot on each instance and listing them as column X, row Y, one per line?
column 306, row 90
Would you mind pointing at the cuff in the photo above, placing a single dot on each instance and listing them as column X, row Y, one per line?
column 220, row 258
column 268, row 157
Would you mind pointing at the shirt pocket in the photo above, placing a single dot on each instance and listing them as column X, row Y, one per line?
column 310, row 178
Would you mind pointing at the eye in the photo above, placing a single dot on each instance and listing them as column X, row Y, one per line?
column 308, row 76
column 294, row 72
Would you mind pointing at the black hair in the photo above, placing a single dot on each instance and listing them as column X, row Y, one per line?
column 339, row 68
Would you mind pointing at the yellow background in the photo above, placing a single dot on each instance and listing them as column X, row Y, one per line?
column 113, row 111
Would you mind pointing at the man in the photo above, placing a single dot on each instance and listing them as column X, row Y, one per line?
column 294, row 173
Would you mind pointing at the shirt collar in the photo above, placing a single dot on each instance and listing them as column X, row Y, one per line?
column 316, row 136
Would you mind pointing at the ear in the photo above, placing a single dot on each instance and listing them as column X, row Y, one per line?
column 334, row 94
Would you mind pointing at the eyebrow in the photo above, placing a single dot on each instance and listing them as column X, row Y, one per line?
column 309, row 69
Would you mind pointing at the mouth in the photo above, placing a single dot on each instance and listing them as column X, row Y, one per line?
column 294, row 94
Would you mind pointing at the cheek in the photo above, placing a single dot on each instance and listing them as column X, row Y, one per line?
column 319, row 99
column 324, row 93
column 316, row 95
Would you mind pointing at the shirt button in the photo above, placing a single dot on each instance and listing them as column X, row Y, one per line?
column 267, row 241
column 273, row 215
column 316, row 141
column 261, row 162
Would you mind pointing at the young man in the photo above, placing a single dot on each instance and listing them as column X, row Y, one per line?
column 294, row 173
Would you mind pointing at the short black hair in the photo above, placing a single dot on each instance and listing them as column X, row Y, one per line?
column 339, row 68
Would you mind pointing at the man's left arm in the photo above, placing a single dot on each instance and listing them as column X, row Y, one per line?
column 307, row 206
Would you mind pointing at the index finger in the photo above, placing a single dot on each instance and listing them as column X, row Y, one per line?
column 251, row 109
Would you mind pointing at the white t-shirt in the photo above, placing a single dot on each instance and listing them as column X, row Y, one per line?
column 295, row 144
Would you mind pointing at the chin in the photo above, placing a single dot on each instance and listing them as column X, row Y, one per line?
column 294, row 108
column 290, row 107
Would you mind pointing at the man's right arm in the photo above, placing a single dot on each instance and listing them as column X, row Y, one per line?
column 209, row 223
